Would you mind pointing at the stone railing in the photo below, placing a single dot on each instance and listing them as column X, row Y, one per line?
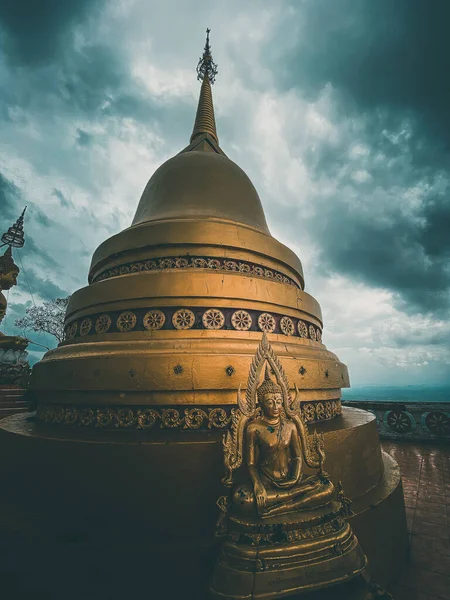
column 410, row 421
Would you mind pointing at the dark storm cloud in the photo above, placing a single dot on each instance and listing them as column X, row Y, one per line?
column 393, row 251
column 383, row 54
column 10, row 198
column 59, row 76
column 420, row 337
column 43, row 287
column 65, row 203
column 35, row 250
column 84, row 138
column 37, row 31
column 387, row 63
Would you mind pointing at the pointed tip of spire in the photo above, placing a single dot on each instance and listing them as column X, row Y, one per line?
column 206, row 67
column 205, row 123
column 15, row 235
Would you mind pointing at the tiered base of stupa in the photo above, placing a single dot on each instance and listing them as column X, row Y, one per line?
column 84, row 496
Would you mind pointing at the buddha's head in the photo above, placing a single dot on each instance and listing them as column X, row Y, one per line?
column 8, row 270
column 270, row 397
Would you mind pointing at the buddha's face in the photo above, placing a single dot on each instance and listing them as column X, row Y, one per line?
column 8, row 280
column 272, row 404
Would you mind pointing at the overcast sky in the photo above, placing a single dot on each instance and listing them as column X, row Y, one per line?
column 338, row 110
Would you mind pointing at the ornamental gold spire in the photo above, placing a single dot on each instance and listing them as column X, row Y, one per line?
column 206, row 71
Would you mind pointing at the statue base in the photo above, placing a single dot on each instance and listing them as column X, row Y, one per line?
column 293, row 553
column 14, row 367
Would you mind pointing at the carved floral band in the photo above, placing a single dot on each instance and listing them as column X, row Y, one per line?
column 169, row 318
column 196, row 262
column 146, row 418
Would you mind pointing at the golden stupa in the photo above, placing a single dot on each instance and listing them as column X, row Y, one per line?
column 133, row 405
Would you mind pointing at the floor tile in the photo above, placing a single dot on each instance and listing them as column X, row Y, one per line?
column 430, row 517
column 431, row 507
column 428, row 582
column 432, row 529
column 430, row 544
column 430, row 561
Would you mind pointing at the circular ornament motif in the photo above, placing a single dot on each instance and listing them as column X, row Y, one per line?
column 166, row 263
column 268, row 274
column 399, row 421
column 150, row 265
column 102, row 324
column 312, row 332
column 287, row 326
column 266, row 322
column 87, row 417
column 213, row 319
column 230, row 265
column 126, row 417
column 181, row 263
column 320, row 410
column 136, row 267
column 71, row 330
column 147, row 417
column 85, row 327
column 319, row 335
column 170, row 418
column 279, row 277
column 241, row 320
column 302, row 329
column 183, row 319
column 105, row 417
column 154, row 319
column 71, row 416
column 126, row 321
column 213, row 264
column 438, row 423
column 259, row 271
column 309, row 412
column 194, row 417
column 244, row 268
column 218, row 418
column 199, row 263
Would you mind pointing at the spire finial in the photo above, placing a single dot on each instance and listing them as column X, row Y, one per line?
column 14, row 236
column 205, row 123
column 206, row 65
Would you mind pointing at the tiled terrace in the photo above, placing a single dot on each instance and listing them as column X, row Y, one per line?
column 426, row 482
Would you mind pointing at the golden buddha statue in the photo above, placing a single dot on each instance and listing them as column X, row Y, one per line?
column 278, row 521
column 274, row 458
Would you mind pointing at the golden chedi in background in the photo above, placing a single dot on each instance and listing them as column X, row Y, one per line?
column 14, row 367
column 132, row 406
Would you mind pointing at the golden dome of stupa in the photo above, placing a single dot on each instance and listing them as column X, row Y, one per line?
column 199, row 184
